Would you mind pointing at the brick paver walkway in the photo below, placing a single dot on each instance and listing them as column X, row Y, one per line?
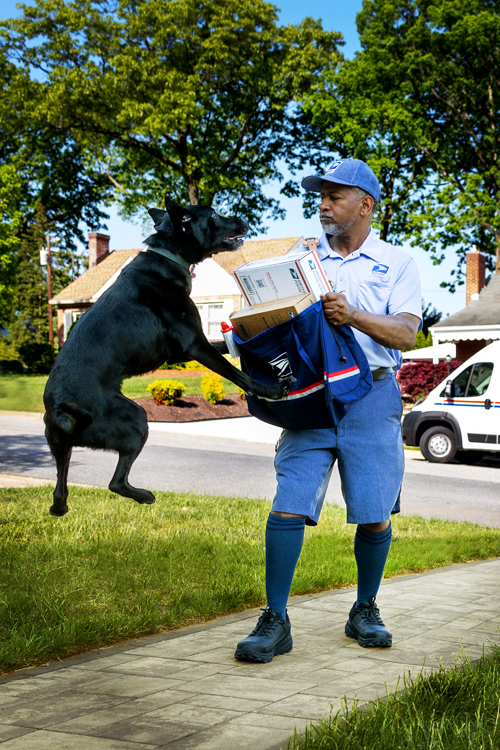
column 185, row 691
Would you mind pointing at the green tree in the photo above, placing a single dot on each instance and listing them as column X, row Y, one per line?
column 363, row 111
column 188, row 98
column 43, row 173
column 430, row 316
column 420, row 103
column 28, row 321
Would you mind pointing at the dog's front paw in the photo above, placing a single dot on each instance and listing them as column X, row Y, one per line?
column 286, row 385
column 282, row 389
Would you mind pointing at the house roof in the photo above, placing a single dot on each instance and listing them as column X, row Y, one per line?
column 86, row 287
column 479, row 321
column 255, row 250
column 483, row 311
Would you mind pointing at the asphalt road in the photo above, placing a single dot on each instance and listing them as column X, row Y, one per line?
column 244, row 468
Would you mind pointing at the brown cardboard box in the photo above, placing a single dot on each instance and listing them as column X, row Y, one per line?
column 250, row 321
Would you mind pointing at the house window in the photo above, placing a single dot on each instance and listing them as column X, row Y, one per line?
column 212, row 314
column 70, row 317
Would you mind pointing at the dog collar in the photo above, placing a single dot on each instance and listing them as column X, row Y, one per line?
column 175, row 258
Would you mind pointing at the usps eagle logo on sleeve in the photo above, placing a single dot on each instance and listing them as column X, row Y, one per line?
column 380, row 270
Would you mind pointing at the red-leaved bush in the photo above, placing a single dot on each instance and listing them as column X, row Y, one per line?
column 419, row 378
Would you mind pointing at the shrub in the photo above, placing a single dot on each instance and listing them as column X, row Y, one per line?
column 193, row 365
column 235, row 361
column 422, row 340
column 37, row 357
column 242, row 393
column 11, row 367
column 8, row 350
column 213, row 389
column 419, row 378
column 166, row 391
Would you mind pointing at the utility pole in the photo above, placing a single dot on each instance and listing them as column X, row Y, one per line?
column 46, row 260
column 49, row 291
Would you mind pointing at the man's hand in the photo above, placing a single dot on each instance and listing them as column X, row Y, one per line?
column 393, row 331
column 337, row 309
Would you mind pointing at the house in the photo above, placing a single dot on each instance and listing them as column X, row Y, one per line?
column 478, row 324
column 431, row 353
column 214, row 290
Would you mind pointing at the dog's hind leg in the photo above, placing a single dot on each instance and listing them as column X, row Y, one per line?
column 120, row 483
column 62, row 455
column 133, row 433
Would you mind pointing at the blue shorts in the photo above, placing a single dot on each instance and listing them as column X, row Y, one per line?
column 369, row 446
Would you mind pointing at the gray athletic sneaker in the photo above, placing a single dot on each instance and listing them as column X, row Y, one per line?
column 272, row 636
column 366, row 626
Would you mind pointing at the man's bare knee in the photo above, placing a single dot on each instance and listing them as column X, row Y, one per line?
column 381, row 526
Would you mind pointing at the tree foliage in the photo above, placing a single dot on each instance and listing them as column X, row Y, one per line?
column 45, row 185
column 420, row 103
column 430, row 316
column 188, row 98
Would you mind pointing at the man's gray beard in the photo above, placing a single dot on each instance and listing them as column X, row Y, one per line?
column 337, row 229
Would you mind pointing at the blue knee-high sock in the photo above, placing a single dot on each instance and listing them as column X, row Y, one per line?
column 284, row 537
column 370, row 550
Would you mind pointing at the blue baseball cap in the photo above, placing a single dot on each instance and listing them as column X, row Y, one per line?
column 352, row 172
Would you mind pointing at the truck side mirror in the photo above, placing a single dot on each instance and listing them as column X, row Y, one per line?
column 448, row 391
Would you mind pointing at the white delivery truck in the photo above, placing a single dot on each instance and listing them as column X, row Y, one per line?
column 460, row 418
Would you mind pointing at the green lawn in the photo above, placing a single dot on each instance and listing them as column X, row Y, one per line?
column 25, row 392
column 456, row 709
column 22, row 392
column 112, row 569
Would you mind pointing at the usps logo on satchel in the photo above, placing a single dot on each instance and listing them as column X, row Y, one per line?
column 379, row 270
column 281, row 366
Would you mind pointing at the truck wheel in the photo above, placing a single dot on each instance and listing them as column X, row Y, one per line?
column 438, row 445
column 469, row 457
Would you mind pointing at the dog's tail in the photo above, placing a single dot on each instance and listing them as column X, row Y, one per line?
column 70, row 417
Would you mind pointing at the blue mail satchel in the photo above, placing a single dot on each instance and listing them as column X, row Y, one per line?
column 329, row 368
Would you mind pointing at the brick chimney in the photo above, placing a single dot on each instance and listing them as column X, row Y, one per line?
column 475, row 274
column 98, row 248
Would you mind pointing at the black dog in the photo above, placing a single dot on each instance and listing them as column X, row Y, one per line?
column 146, row 318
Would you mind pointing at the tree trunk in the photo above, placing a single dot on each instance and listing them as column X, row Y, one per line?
column 193, row 194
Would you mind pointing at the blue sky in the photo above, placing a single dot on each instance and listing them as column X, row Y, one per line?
column 340, row 16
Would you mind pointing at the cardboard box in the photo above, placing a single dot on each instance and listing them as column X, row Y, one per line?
column 279, row 278
column 250, row 321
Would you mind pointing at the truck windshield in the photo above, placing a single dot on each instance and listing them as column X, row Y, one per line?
column 460, row 383
column 473, row 381
column 480, row 379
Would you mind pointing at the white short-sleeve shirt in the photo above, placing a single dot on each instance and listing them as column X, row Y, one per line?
column 379, row 278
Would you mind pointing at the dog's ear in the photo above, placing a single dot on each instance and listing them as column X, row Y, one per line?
column 157, row 215
column 180, row 217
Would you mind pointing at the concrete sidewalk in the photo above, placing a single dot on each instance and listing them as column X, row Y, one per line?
column 184, row 690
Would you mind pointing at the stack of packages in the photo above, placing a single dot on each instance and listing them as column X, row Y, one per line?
column 277, row 289
column 323, row 365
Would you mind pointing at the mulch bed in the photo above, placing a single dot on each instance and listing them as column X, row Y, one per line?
column 193, row 409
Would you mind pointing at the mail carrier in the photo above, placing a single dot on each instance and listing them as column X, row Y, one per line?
column 460, row 418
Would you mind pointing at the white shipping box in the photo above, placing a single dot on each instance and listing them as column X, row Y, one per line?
column 286, row 276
